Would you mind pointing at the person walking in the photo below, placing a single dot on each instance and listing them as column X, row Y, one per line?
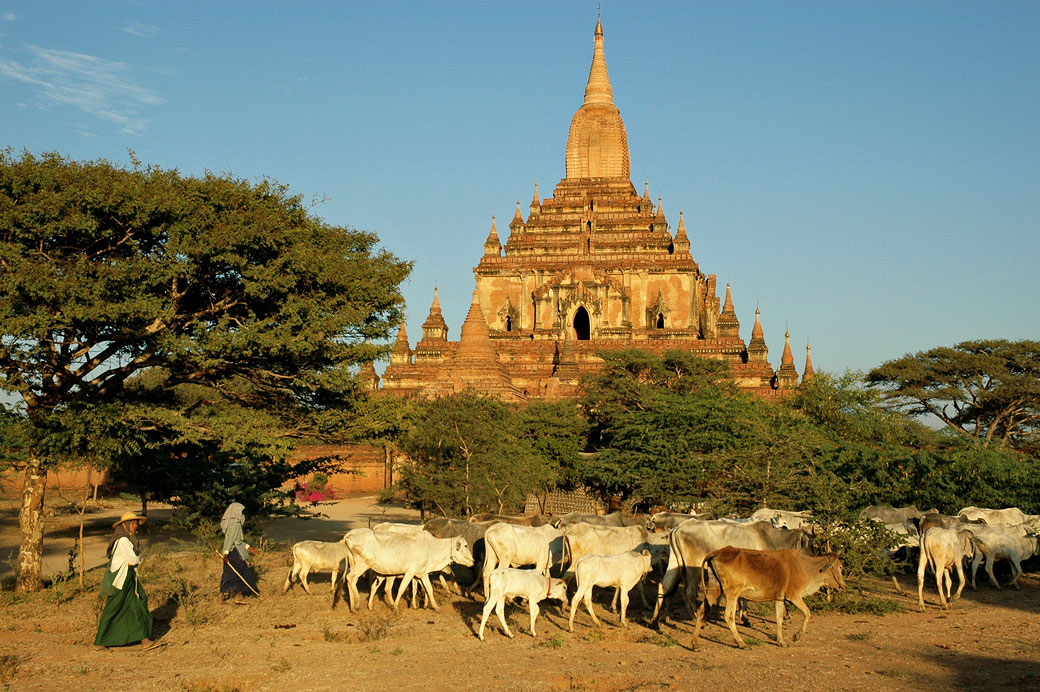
column 237, row 579
column 125, row 618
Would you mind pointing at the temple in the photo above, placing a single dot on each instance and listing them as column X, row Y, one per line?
column 595, row 266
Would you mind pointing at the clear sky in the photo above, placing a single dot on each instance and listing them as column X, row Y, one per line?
column 868, row 173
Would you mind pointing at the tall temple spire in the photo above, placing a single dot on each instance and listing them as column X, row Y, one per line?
column 597, row 146
column 598, row 89
column 435, row 327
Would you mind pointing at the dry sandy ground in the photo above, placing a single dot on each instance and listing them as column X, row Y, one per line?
column 989, row 640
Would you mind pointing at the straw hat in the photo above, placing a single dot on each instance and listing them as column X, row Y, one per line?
column 129, row 516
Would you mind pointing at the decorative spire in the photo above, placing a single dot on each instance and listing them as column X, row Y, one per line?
column 787, row 358
column 401, row 352
column 729, row 325
column 808, row 373
column 757, row 350
column 598, row 89
column 517, row 218
column 435, row 327
column 660, row 210
column 535, row 202
column 787, row 376
column 756, row 331
column 492, row 246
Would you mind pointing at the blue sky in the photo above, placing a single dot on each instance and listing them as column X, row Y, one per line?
column 868, row 173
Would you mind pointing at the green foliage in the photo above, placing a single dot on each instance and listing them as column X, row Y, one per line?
column 467, row 456
column 986, row 390
column 192, row 304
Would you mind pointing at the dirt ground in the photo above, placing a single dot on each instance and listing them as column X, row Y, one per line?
column 989, row 640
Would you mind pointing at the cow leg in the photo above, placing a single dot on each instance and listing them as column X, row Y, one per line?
column 921, row 564
column 490, row 562
column 899, row 589
column 699, row 622
column 642, row 594
column 406, row 580
column 376, row 583
column 428, row 588
column 533, row 609
column 303, row 579
column 780, row 611
column 335, row 574
column 289, row 579
column 1016, row 572
column 800, row 605
column 488, row 607
column 940, row 580
column 975, row 567
column 574, row 606
column 731, row 619
column 961, row 578
column 500, row 611
column 588, row 606
column 624, row 607
column 989, row 571
column 352, row 586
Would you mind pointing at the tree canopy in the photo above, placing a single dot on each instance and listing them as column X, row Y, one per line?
column 223, row 284
column 986, row 390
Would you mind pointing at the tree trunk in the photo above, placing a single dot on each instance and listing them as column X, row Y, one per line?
column 29, row 576
column 82, row 516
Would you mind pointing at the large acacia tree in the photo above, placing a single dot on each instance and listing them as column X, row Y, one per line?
column 986, row 390
column 106, row 272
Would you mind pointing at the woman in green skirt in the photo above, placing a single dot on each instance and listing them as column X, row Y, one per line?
column 125, row 619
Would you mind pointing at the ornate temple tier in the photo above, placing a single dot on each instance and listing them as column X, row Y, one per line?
column 595, row 266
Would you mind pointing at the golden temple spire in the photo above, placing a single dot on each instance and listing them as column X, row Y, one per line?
column 598, row 89
column 756, row 331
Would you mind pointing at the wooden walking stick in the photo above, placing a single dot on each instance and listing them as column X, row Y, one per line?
column 228, row 563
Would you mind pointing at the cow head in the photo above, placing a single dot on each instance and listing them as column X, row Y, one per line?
column 832, row 570
column 558, row 591
column 460, row 552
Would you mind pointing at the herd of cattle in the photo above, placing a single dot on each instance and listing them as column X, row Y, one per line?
column 765, row 557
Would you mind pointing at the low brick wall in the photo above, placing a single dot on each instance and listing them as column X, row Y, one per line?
column 363, row 467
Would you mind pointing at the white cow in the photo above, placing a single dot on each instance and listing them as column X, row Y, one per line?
column 506, row 583
column 316, row 556
column 943, row 550
column 1010, row 516
column 994, row 544
column 510, row 545
column 782, row 519
column 389, row 553
column 620, row 571
column 586, row 539
column 666, row 521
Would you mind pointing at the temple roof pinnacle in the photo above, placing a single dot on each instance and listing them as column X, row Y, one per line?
column 680, row 233
column 787, row 358
column 756, row 331
column 598, row 89
column 808, row 373
column 517, row 218
column 660, row 210
column 727, row 307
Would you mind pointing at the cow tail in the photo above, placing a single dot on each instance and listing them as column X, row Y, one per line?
column 709, row 563
column 680, row 560
column 565, row 559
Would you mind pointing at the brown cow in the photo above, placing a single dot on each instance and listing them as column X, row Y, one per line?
column 767, row 575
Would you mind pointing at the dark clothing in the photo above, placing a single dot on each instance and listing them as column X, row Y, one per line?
column 231, row 583
column 125, row 619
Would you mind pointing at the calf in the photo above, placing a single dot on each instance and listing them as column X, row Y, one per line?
column 995, row 543
column 767, row 575
column 516, row 546
column 316, row 556
column 943, row 550
column 621, row 571
column 506, row 582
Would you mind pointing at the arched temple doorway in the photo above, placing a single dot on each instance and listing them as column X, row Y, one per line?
column 582, row 325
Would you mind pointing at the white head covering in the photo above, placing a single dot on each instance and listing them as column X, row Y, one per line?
column 233, row 514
